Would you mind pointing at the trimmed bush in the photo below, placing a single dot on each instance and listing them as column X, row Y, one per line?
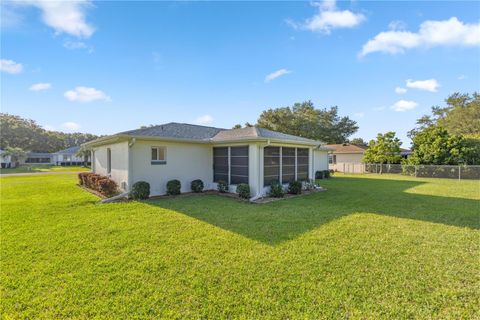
column 276, row 190
column 222, row 186
column 173, row 187
column 140, row 190
column 243, row 190
column 319, row 174
column 104, row 185
column 295, row 187
column 107, row 187
column 197, row 185
column 328, row 173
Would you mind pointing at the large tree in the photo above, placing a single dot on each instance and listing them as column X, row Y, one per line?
column 304, row 120
column 384, row 149
column 435, row 145
column 26, row 134
column 460, row 115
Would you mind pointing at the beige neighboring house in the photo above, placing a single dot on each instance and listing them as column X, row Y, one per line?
column 186, row 152
column 346, row 157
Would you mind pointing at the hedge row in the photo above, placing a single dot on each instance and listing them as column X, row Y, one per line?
column 102, row 184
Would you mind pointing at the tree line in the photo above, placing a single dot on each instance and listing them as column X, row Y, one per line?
column 26, row 134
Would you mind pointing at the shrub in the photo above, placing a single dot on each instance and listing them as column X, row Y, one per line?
column 104, row 185
column 222, row 186
column 243, row 190
column 295, row 187
column 173, row 187
column 140, row 190
column 276, row 190
column 326, row 173
column 197, row 185
column 107, row 187
column 319, row 174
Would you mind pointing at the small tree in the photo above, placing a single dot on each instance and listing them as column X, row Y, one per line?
column 16, row 154
column 84, row 153
column 385, row 149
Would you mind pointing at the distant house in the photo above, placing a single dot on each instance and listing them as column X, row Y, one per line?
column 39, row 158
column 64, row 157
column 186, row 152
column 5, row 161
column 348, row 157
column 69, row 157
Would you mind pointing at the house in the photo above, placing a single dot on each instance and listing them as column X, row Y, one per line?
column 5, row 160
column 348, row 157
column 343, row 156
column 187, row 152
column 68, row 157
column 38, row 158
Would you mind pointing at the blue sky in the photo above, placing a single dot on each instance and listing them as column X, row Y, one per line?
column 105, row 67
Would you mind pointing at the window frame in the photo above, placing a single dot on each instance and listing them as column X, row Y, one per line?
column 305, row 154
column 158, row 160
column 229, row 165
column 109, row 161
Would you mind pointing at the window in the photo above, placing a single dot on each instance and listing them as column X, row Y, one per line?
column 332, row 159
column 288, row 165
column 238, row 165
column 109, row 160
column 302, row 164
column 271, row 165
column 230, row 164
column 159, row 155
column 284, row 164
column 220, row 164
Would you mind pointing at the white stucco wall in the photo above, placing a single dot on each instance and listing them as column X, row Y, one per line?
column 185, row 162
column 119, row 163
column 320, row 161
column 344, row 160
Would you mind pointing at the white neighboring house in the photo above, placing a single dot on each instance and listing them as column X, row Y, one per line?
column 68, row 157
column 187, row 152
column 5, row 161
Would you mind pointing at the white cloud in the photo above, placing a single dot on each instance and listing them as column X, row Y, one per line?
column 204, row 120
column 400, row 90
column 10, row 66
column 70, row 126
column 276, row 74
column 404, row 105
column 451, row 32
column 359, row 114
column 40, row 86
column 426, row 85
column 329, row 18
column 64, row 16
column 85, row 94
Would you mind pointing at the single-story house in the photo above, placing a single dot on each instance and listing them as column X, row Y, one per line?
column 187, row 152
column 69, row 157
column 348, row 157
column 38, row 158
column 5, row 161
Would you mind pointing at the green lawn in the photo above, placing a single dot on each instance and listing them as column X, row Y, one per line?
column 43, row 168
column 370, row 247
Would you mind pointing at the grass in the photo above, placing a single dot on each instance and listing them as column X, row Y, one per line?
column 370, row 247
column 43, row 168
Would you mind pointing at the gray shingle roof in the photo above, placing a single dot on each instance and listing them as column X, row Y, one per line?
column 176, row 130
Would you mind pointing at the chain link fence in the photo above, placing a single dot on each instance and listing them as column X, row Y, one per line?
column 425, row 171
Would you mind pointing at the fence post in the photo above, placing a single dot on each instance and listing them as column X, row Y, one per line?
column 459, row 172
column 415, row 170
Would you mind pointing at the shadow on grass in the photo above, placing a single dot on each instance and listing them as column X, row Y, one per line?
column 280, row 221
